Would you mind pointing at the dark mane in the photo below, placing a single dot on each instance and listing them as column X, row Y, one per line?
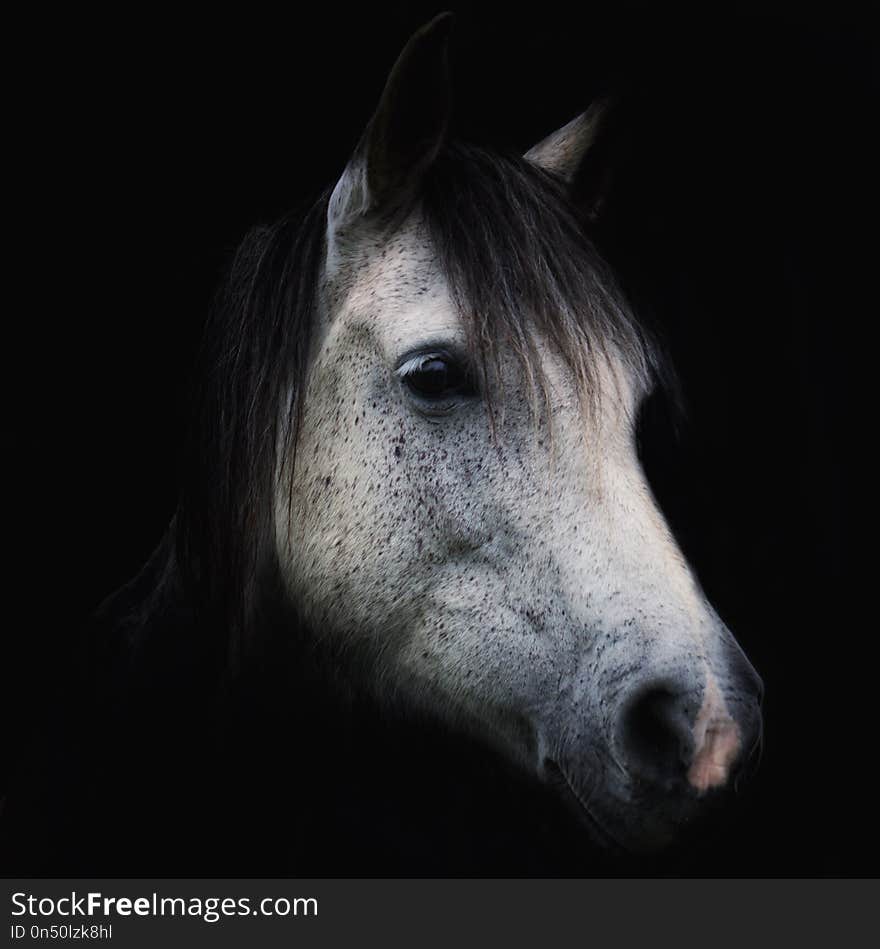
column 520, row 266
column 255, row 346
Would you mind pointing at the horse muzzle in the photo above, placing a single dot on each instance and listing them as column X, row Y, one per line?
column 675, row 753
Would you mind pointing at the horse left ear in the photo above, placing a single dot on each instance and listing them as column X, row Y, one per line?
column 405, row 133
column 574, row 153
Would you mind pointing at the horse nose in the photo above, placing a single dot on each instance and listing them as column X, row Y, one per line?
column 655, row 735
column 669, row 735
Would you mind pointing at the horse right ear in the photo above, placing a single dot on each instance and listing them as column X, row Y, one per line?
column 579, row 154
column 405, row 133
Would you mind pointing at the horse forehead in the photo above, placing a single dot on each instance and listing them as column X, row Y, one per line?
column 399, row 281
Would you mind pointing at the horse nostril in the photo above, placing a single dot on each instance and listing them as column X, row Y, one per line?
column 655, row 735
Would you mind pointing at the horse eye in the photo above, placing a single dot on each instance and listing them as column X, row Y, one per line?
column 435, row 377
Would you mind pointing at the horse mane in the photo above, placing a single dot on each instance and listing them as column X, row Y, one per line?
column 520, row 266
column 255, row 348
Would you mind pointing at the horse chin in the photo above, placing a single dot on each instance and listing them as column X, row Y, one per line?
column 617, row 827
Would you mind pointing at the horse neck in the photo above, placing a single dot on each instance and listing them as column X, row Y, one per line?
column 147, row 628
column 154, row 636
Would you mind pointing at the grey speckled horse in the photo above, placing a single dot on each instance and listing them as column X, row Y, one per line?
column 421, row 423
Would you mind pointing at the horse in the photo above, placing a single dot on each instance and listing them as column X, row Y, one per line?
column 413, row 485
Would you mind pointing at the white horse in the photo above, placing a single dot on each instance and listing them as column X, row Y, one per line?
column 414, row 460
column 465, row 506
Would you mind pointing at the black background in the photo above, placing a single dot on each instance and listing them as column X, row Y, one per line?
column 742, row 220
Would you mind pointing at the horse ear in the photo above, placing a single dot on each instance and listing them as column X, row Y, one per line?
column 562, row 151
column 577, row 154
column 406, row 131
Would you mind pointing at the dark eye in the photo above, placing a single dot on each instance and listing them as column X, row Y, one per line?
column 435, row 377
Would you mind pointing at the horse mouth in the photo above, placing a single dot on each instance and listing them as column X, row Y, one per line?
column 636, row 830
column 595, row 828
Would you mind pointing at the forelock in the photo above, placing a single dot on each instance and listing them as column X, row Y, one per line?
column 522, row 271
